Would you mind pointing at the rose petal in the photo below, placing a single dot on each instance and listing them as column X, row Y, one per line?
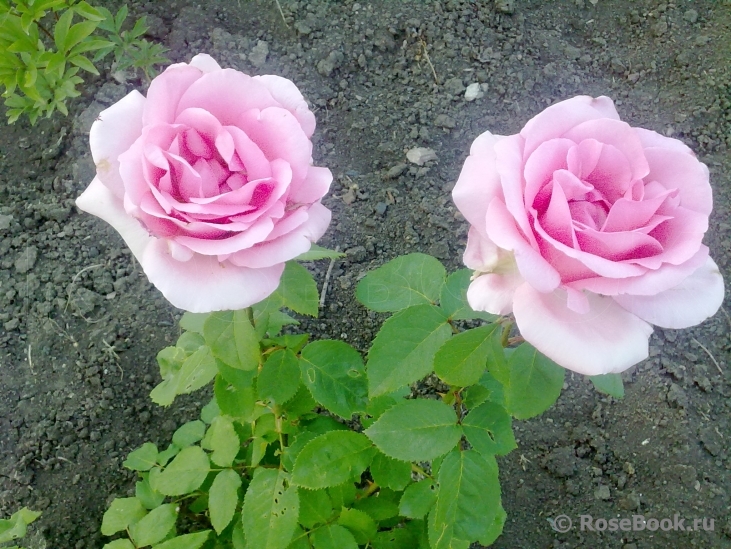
column 540, row 168
column 685, row 173
column 502, row 231
column 98, row 200
column 583, row 158
column 226, row 287
column 689, row 303
column 205, row 63
column 618, row 135
column 509, row 165
column 478, row 182
column 617, row 247
column 559, row 118
column 493, row 292
column 287, row 246
column 226, row 94
column 279, row 135
column 166, row 91
column 288, row 95
column 607, row 339
column 246, row 239
column 649, row 138
column 313, row 188
column 680, row 238
column 114, row 132
column 481, row 253
column 650, row 283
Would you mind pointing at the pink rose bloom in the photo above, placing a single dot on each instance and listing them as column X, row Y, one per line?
column 588, row 231
column 210, row 182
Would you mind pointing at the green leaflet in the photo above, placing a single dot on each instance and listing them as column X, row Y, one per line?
column 535, row 382
column 279, row 378
column 462, row 360
column 232, row 339
column 488, row 429
column 331, row 459
column 404, row 349
column 416, row 430
column 467, row 502
column 223, row 498
column 333, row 372
column 609, row 384
column 270, row 511
column 403, row 282
column 184, row 474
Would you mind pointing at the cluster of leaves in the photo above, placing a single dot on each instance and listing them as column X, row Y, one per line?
column 42, row 51
column 15, row 527
column 262, row 469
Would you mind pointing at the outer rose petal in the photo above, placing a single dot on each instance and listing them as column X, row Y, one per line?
column 561, row 117
column 165, row 93
column 313, row 188
column 113, row 133
column 205, row 63
column 607, row 339
column 478, row 181
column 289, row 96
column 494, row 292
column 689, row 303
column 226, row 286
column 481, row 253
column 98, row 200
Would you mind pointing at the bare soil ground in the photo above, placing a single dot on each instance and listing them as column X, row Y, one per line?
column 80, row 325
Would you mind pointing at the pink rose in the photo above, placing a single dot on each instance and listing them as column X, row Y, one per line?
column 588, row 231
column 210, row 183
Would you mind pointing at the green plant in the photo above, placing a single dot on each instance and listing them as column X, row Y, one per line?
column 15, row 527
column 42, row 51
column 305, row 446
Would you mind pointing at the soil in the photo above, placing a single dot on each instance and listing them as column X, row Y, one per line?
column 80, row 325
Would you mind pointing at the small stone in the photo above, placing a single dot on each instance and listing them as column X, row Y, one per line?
column 691, row 16
column 326, row 66
column 421, row 155
column 5, row 221
column 395, row 171
column 381, row 208
column 473, row 92
column 677, row 397
column 454, row 86
column 26, row 259
column 11, row 324
column 561, row 462
column 259, row 53
column 630, row 502
column 349, row 196
column 711, row 441
column 602, row 493
column 505, row 6
column 302, row 27
column 445, row 121
column 95, row 436
column 660, row 28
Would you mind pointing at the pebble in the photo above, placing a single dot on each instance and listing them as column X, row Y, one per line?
column 395, row 171
column 259, row 53
column 26, row 259
column 5, row 221
column 473, row 91
column 454, row 86
column 445, row 121
column 326, row 66
column 381, row 208
column 602, row 493
column 421, row 155
column 691, row 16
column 505, row 6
